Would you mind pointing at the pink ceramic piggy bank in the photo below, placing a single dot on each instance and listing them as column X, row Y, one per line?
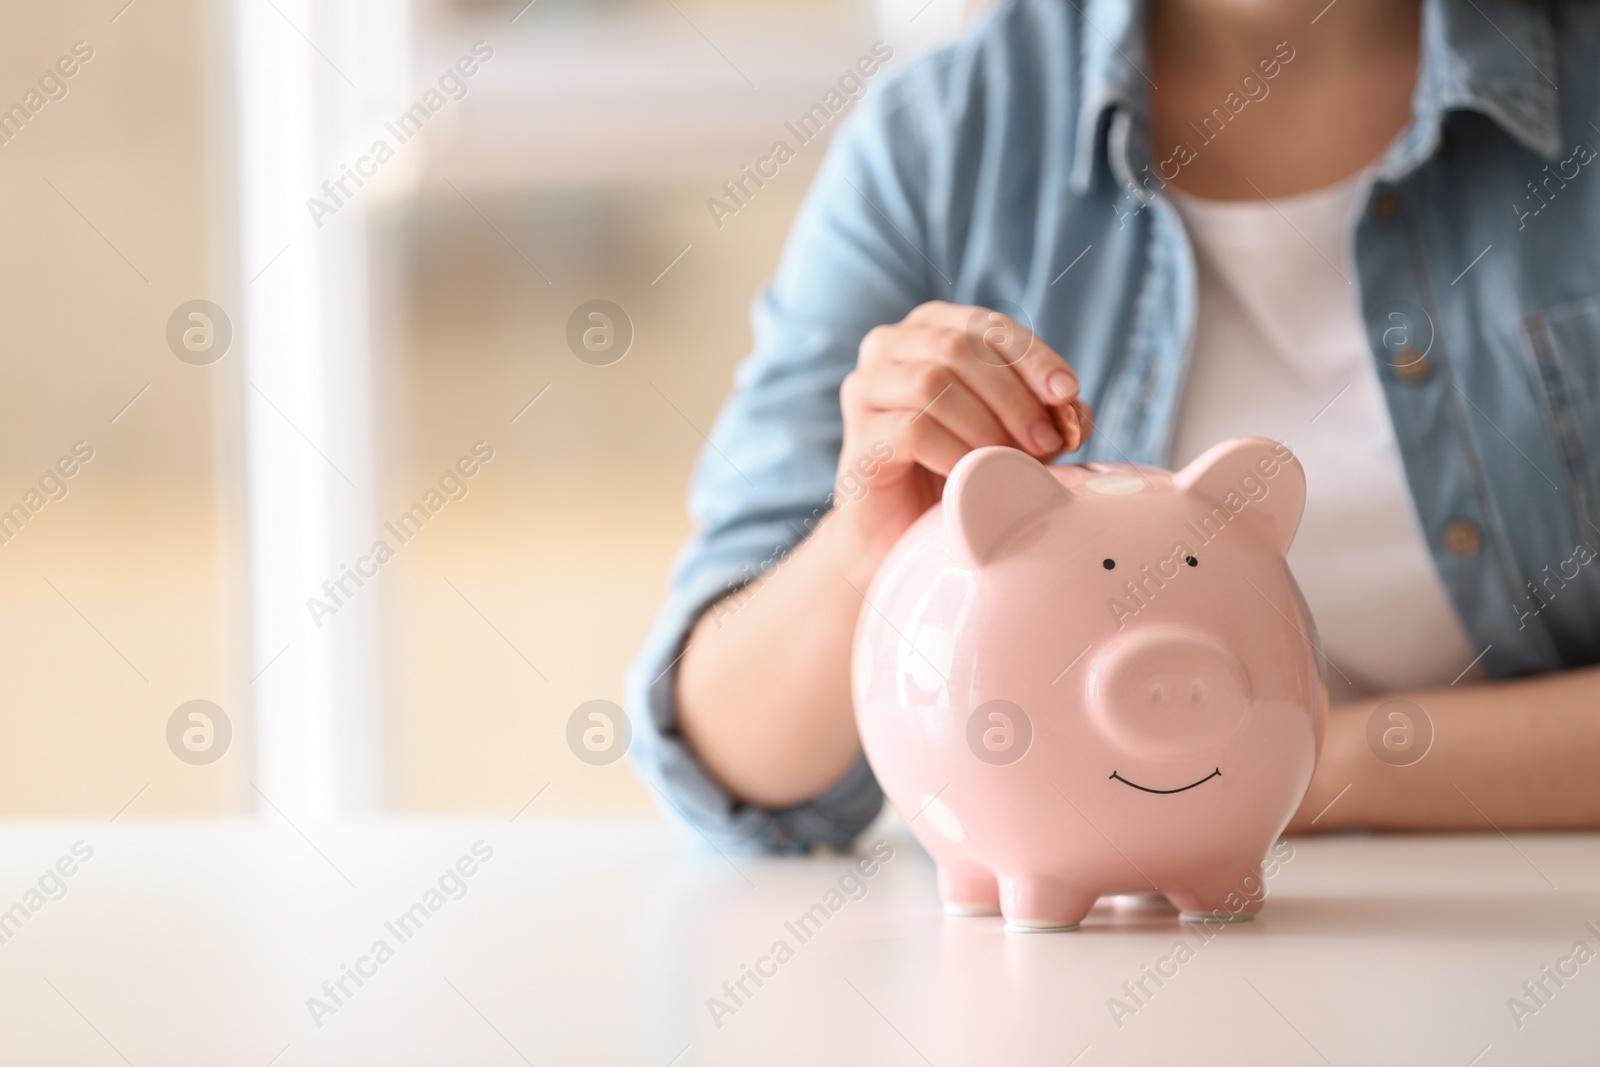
column 1083, row 680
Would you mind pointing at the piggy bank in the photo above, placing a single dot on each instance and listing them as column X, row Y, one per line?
column 1075, row 681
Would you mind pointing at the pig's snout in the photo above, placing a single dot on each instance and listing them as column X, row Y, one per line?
column 1167, row 692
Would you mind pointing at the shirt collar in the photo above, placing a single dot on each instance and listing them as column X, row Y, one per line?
column 1111, row 64
column 1496, row 57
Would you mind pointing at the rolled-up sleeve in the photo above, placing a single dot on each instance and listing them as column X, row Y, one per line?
column 856, row 259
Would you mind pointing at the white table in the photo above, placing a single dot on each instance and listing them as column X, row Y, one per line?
column 597, row 943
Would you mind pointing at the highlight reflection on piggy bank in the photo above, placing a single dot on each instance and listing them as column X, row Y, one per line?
column 1082, row 680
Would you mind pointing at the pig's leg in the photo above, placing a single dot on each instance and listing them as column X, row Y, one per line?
column 1038, row 902
column 1222, row 900
column 968, row 888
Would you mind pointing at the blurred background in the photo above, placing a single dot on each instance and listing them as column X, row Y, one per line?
column 273, row 339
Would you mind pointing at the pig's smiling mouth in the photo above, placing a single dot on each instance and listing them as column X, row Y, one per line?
column 1214, row 774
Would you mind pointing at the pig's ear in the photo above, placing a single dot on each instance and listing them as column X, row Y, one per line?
column 990, row 495
column 1234, row 473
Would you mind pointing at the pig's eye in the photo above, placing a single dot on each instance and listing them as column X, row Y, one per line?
column 1191, row 561
column 1108, row 564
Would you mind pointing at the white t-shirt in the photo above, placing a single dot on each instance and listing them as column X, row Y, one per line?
column 1280, row 351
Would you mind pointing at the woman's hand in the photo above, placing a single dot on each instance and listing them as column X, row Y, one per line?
column 929, row 389
column 764, row 682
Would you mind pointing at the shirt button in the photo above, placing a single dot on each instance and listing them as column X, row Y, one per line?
column 1388, row 205
column 1462, row 538
column 1412, row 366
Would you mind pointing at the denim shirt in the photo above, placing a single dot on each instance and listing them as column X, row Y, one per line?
column 1013, row 170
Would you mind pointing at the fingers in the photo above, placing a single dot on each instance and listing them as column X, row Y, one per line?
column 1001, row 340
column 932, row 389
column 935, row 360
column 1045, row 373
column 929, row 415
column 919, row 349
column 922, row 442
column 949, row 379
column 934, row 447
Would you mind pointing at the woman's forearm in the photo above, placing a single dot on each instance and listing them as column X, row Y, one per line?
column 764, row 686
column 1522, row 754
